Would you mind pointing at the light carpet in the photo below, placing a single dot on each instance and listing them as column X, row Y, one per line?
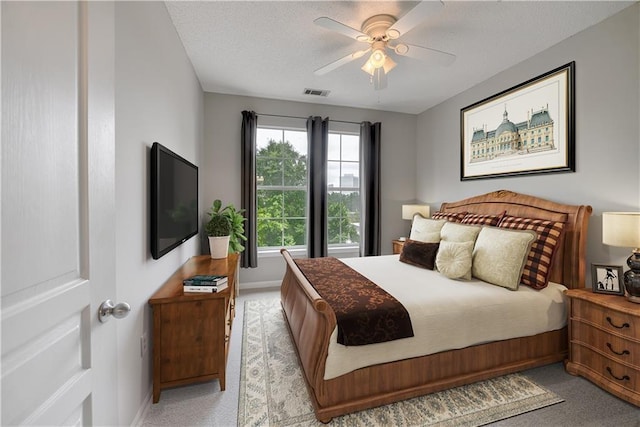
column 273, row 392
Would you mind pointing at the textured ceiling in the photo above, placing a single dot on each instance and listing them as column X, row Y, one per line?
column 271, row 48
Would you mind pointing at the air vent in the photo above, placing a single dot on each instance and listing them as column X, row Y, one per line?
column 316, row 92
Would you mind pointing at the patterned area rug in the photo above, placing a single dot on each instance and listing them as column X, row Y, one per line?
column 273, row 392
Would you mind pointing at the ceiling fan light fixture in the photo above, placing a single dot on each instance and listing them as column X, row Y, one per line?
column 377, row 58
column 368, row 68
column 389, row 65
column 379, row 79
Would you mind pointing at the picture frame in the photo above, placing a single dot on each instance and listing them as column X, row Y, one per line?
column 607, row 279
column 527, row 129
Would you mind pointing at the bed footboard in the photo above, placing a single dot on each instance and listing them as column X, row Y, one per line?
column 311, row 322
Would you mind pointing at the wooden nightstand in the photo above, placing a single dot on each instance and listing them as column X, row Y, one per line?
column 397, row 246
column 604, row 342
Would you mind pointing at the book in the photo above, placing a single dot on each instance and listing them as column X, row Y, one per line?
column 209, row 289
column 205, row 280
column 204, row 283
column 207, row 277
column 206, row 287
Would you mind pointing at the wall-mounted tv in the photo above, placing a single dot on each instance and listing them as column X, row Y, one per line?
column 174, row 200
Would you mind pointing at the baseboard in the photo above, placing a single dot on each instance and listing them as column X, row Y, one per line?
column 270, row 284
column 144, row 409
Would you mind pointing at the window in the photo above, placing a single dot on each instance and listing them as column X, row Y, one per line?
column 343, row 188
column 281, row 176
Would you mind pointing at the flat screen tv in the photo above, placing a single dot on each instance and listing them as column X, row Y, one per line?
column 174, row 200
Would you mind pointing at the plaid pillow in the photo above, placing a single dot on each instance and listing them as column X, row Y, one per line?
column 449, row 216
column 478, row 219
column 538, row 265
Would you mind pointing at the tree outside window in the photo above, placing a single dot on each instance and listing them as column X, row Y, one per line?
column 281, row 174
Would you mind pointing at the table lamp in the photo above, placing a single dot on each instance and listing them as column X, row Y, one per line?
column 408, row 211
column 623, row 229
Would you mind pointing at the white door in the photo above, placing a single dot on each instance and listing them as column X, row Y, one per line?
column 58, row 203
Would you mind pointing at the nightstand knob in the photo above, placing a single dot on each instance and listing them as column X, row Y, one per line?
column 624, row 377
column 624, row 325
column 619, row 354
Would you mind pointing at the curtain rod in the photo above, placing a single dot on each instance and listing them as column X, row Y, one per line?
column 305, row 118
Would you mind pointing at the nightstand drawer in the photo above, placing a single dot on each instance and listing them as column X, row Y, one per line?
column 616, row 348
column 605, row 368
column 607, row 319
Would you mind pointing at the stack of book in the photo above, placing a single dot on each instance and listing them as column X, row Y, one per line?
column 205, row 283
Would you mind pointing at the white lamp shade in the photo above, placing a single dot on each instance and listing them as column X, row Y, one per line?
column 621, row 229
column 408, row 211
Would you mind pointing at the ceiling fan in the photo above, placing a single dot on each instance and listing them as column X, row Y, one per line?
column 382, row 32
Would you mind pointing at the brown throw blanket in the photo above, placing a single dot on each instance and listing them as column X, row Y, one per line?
column 365, row 313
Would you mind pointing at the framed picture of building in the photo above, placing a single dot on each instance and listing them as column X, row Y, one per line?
column 527, row 129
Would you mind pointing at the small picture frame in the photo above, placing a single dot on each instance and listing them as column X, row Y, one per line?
column 607, row 279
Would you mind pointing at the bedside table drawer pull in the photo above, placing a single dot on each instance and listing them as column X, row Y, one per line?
column 624, row 377
column 624, row 325
column 619, row 354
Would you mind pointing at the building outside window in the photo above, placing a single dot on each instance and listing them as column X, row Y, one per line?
column 343, row 187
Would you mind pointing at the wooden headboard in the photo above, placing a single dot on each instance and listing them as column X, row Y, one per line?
column 568, row 266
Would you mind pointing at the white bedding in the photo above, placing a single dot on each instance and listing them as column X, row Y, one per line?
column 447, row 314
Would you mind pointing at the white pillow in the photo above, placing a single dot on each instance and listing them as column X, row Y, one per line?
column 454, row 259
column 499, row 255
column 426, row 229
column 454, row 232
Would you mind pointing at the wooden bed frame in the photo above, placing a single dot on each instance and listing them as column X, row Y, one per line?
column 311, row 322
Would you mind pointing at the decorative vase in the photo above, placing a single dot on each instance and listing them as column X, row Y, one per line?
column 632, row 277
column 219, row 246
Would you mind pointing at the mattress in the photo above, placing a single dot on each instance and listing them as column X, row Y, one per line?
column 447, row 314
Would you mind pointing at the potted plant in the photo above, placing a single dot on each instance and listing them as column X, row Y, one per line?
column 236, row 237
column 225, row 230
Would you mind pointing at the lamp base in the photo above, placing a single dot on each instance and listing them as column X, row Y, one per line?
column 633, row 299
column 632, row 277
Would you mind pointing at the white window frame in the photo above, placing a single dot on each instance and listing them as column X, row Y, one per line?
column 299, row 125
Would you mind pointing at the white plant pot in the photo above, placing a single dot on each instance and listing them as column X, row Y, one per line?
column 219, row 246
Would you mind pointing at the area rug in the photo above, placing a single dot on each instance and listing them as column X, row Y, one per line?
column 273, row 392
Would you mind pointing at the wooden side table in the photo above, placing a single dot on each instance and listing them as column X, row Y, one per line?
column 604, row 342
column 397, row 246
column 191, row 331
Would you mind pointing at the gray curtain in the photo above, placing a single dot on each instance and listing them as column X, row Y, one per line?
column 370, row 223
column 318, row 139
column 249, row 257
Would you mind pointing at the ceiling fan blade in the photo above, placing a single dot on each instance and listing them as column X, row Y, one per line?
column 341, row 28
column 412, row 18
column 340, row 62
column 426, row 54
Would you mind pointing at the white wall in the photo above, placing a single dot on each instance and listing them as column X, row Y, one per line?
column 221, row 157
column 607, row 138
column 158, row 98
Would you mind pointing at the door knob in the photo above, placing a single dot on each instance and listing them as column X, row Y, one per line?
column 108, row 308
